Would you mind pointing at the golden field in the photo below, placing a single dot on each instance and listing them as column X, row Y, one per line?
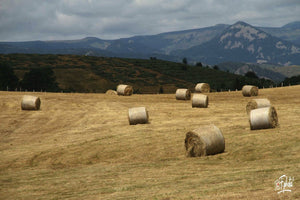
column 81, row 146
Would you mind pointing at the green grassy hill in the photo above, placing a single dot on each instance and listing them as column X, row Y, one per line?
column 97, row 74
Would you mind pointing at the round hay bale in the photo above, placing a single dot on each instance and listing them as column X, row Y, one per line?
column 183, row 94
column 125, row 90
column 249, row 90
column 203, row 141
column 111, row 92
column 262, row 118
column 202, row 88
column 30, row 103
column 200, row 101
column 138, row 115
column 257, row 103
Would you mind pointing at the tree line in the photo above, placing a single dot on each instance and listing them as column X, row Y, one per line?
column 36, row 79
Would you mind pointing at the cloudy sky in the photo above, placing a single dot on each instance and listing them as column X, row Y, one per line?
column 24, row 20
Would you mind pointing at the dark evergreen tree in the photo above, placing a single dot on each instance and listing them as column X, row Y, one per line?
column 40, row 79
column 8, row 79
column 199, row 64
column 239, row 83
column 294, row 80
column 251, row 74
column 216, row 67
column 161, row 90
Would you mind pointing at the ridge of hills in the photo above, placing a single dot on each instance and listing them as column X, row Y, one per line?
column 278, row 46
column 242, row 42
column 75, row 73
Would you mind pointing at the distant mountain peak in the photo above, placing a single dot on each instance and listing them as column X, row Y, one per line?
column 242, row 30
column 241, row 23
column 294, row 25
column 246, row 43
column 90, row 39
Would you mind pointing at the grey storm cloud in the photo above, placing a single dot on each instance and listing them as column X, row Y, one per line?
column 22, row 20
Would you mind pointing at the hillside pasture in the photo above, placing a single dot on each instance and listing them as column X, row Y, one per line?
column 81, row 146
column 99, row 74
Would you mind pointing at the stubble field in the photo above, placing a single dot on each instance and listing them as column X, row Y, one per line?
column 81, row 146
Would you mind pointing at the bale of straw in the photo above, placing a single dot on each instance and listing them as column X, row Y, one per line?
column 262, row 118
column 202, row 88
column 183, row 94
column 200, row 101
column 203, row 141
column 249, row 90
column 138, row 115
column 257, row 103
column 111, row 92
column 30, row 103
column 125, row 90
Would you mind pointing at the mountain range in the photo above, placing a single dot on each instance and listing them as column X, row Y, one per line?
column 242, row 42
column 239, row 42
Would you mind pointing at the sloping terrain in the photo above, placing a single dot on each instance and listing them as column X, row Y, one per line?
column 261, row 70
column 288, row 71
column 98, row 74
column 289, row 32
column 164, row 45
column 242, row 42
column 140, row 46
column 81, row 146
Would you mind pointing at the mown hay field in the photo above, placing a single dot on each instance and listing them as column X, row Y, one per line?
column 81, row 146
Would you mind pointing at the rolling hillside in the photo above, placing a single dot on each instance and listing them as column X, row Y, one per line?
column 98, row 74
column 81, row 146
column 272, row 72
column 288, row 71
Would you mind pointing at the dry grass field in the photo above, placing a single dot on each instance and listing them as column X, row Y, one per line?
column 81, row 146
